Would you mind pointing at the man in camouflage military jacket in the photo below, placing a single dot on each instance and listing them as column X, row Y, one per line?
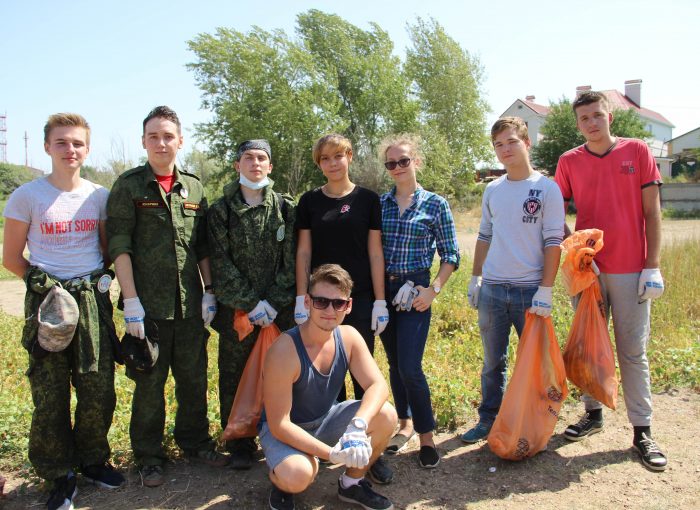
column 156, row 225
column 251, row 237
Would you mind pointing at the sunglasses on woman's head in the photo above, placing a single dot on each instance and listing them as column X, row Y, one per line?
column 403, row 163
column 321, row 303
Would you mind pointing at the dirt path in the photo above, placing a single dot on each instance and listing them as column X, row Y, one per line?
column 602, row 471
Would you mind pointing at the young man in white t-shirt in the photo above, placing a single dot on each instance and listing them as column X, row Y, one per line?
column 515, row 260
column 60, row 218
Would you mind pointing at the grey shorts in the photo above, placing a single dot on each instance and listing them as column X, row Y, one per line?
column 328, row 429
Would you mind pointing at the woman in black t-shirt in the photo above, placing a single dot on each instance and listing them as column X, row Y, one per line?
column 340, row 223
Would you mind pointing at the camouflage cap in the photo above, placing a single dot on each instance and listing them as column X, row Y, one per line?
column 58, row 319
column 138, row 354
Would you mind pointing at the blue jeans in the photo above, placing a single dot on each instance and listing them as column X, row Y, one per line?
column 404, row 343
column 500, row 306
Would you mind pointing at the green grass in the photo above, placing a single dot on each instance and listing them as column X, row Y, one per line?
column 452, row 360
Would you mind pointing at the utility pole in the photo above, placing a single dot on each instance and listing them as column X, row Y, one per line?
column 3, row 138
column 26, row 152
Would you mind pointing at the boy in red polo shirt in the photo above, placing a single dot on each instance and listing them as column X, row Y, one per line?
column 615, row 183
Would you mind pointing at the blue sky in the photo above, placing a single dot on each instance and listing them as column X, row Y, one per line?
column 113, row 61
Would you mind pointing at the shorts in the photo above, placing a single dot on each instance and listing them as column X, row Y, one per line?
column 328, row 429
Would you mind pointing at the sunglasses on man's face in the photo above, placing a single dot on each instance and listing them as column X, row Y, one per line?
column 321, row 303
column 403, row 163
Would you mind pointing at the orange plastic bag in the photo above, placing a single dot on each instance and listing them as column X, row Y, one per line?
column 248, row 403
column 580, row 248
column 534, row 396
column 588, row 353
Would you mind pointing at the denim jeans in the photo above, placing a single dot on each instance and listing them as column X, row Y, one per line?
column 404, row 343
column 500, row 306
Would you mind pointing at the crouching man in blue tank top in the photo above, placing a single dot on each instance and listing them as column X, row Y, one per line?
column 304, row 371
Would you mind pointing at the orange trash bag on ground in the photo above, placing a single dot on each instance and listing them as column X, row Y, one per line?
column 248, row 403
column 588, row 353
column 534, row 396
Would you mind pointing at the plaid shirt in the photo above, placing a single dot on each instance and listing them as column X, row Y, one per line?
column 410, row 239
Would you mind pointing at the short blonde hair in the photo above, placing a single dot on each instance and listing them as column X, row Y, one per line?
column 334, row 140
column 516, row 123
column 66, row 120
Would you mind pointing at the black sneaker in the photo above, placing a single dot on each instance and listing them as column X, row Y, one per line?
column 63, row 493
column 363, row 495
column 585, row 427
column 380, row 472
column 428, row 457
column 652, row 456
column 280, row 500
column 103, row 475
column 241, row 458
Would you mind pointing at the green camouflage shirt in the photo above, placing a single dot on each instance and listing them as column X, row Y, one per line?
column 253, row 249
column 165, row 235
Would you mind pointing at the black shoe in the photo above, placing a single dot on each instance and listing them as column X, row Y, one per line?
column 280, row 500
column 363, row 495
column 585, row 427
column 103, row 475
column 380, row 472
column 64, row 490
column 428, row 457
column 652, row 456
column 241, row 458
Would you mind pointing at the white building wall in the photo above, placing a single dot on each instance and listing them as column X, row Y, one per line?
column 534, row 121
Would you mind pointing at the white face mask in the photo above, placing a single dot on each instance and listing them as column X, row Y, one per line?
column 253, row 185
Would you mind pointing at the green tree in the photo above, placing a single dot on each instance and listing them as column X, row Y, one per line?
column 213, row 175
column 12, row 177
column 102, row 177
column 262, row 85
column 447, row 81
column 560, row 133
column 366, row 78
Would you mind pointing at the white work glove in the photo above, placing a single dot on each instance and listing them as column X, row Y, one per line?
column 355, row 448
column 301, row 314
column 594, row 267
column 403, row 300
column 380, row 316
column 133, row 317
column 473, row 291
column 651, row 284
column 208, row 308
column 542, row 302
column 258, row 315
column 271, row 312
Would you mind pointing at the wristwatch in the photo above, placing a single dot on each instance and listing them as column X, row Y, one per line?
column 437, row 288
column 359, row 423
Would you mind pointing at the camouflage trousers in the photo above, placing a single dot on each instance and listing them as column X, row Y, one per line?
column 233, row 355
column 182, row 347
column 55, row 445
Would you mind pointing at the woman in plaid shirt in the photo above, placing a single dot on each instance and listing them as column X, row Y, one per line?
column 415, row 223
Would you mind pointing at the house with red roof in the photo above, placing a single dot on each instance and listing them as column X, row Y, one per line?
column 660, row 127
column 532, row 113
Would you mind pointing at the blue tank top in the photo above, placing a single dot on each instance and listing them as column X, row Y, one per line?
column 314, row 393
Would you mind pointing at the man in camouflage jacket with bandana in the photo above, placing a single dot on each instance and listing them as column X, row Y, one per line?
column 252, row 244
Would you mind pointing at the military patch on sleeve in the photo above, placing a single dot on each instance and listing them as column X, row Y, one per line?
column 149, row 204
column 192, row 206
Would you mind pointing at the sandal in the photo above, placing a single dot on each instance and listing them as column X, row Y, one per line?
column 398, row 443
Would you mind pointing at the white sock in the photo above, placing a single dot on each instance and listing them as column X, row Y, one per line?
column 347, row 481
